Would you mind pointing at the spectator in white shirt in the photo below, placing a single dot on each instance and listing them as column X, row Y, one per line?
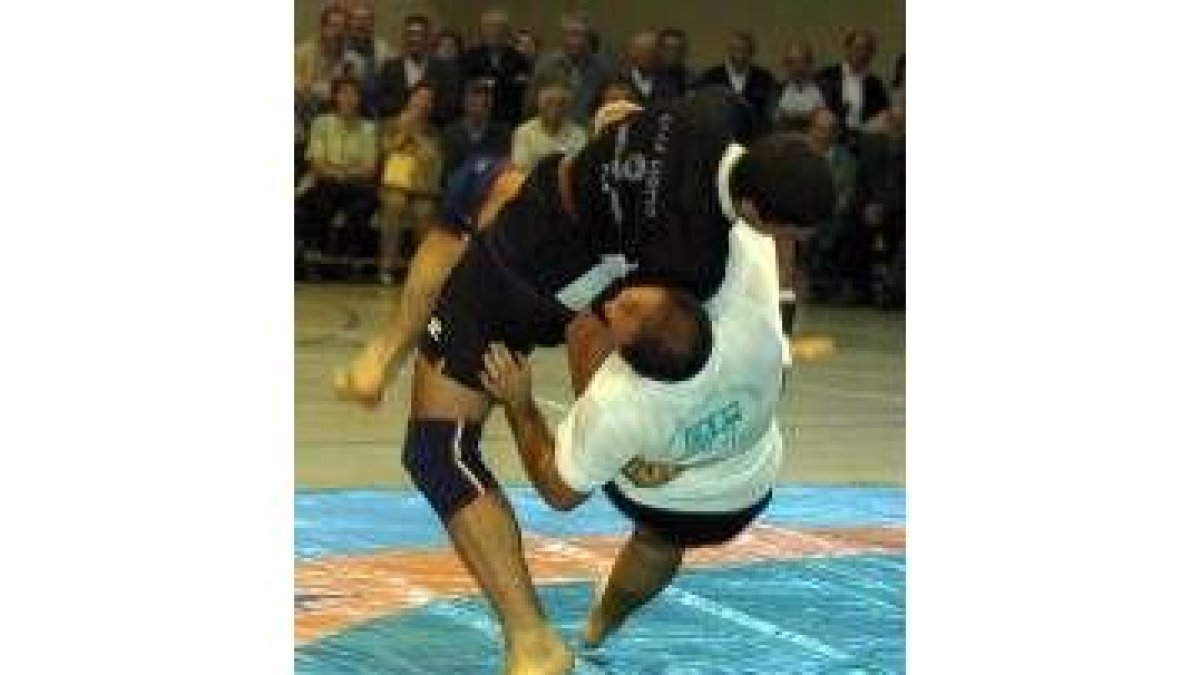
column 799, row 95
column 852, row 92
column 552, row 131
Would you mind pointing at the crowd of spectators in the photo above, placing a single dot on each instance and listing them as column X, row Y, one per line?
column 381, row 124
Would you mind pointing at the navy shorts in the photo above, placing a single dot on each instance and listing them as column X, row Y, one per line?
column 683, row 528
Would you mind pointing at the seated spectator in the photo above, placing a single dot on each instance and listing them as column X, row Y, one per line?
column 799, row 95
column 322, row 59
column 412, row 175
column 854, row 93
column 449, row 45
column 643, row 72
column 575, row 63
column 416, row 65
column 551, row 131
column 740, row 74
column 342, row 157
column 527, row 45
column 500, row 64
column 882, row 176
column 475, row 133
column 830, row 253
column 672, row 56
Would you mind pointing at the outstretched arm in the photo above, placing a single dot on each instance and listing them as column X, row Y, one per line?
column 507, row 377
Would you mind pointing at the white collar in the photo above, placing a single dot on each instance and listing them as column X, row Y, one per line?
column 849, row 72
column 732, row 154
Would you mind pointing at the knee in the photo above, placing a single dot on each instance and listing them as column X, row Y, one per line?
column 446, row 465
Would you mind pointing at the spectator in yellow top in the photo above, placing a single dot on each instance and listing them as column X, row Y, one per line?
column 411, row 177
column 342, row 155
column 551, row 131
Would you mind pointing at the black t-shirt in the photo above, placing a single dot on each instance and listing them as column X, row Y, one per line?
column 647, row 189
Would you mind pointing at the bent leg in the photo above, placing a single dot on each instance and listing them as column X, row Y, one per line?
column 646, row 564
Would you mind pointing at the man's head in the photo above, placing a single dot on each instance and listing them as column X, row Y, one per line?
column 860, row 49
column 362, row 21
column 449, row 45
column 333, row 25
column 781, row 182
column 493, row 27
column 575, row 35
column 662, row 332
column 477, row 101
column 346, row 97
column 525, row 42
column 672, row 48
column 741, row 49
column 417, row 35
column 616, row 89
column 553, row 102
column 643, row 51
column 798, row 62
column 822, row 130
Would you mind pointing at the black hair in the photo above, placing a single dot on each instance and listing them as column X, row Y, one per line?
column 453, row 35
column 672, row 32
column 747, row 37
column 330, row 11
column 784, row 180
column 418, row 18
column 674, row 343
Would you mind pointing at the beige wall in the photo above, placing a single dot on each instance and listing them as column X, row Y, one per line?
column 707, row 22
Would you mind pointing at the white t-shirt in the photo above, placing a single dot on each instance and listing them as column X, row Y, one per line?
column 720, row 423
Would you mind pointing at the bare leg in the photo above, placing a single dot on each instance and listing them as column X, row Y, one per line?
column 645, row 565
column 486, row 537
column 394, row 203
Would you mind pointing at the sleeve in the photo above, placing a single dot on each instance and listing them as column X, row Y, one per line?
column 317, row 140
column 521, row 152
column 591, row 446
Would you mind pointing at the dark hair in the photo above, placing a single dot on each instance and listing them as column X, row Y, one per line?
column 860, row 33
column 674, row 343
column 418, row 18
column 453, row 35
column 785, row 180
column 898, row 73
column 330, row 11
column 747, row 37
column 672, row 32
column 615, row 81
column 537, row 43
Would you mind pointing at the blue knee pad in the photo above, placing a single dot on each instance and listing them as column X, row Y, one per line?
column 443, row 459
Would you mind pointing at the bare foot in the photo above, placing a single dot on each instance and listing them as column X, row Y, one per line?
column 547, row 654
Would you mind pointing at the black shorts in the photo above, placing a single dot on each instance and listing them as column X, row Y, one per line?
column 684, row 528
column 504, row 287
column 482, row 302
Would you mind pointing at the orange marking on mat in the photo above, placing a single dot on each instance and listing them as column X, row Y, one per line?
column 341, row 591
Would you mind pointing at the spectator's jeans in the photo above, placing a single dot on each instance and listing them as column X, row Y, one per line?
column 316, row 208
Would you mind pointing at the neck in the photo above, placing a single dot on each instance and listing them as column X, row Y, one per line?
column 552, row 126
